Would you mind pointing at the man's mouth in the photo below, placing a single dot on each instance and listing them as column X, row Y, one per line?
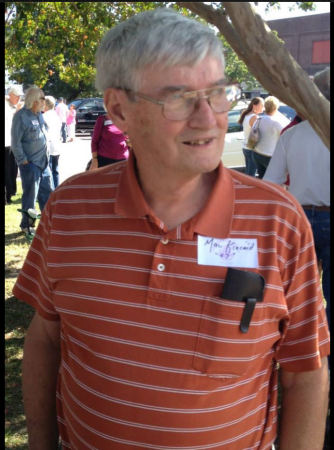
column 198, row 142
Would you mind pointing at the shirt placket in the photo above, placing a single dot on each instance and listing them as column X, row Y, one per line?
column 162, row 268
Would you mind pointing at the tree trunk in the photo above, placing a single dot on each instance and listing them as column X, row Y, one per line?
column 268, row 60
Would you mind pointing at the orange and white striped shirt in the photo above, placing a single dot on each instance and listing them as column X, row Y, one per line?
column 152, row 356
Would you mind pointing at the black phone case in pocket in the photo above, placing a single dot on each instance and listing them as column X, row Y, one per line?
column 244, row 286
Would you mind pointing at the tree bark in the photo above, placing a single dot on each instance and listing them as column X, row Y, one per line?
column 268, row 60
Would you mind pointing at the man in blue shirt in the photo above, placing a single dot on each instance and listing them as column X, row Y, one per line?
column 29, row 145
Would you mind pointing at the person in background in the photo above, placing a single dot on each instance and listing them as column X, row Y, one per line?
column 270, row 127
column 109, row 144
column 297, row 119
column 70, row 122
column 247, row 120
column 29, row 145
column 135, row 343
column 301, row 153
column 61, row 110
column 53, row 122
column 12, row 104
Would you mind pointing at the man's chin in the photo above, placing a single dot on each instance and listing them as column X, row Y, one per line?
column 207, row 166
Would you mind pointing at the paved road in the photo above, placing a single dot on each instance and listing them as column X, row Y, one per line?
column 74, row 157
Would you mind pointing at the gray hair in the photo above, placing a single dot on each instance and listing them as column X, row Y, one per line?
column 157, row 37
column 32, row 94
column 323, row 81
column 50, row 102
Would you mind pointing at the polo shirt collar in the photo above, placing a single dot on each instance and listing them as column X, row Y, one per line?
column 213, row 220
column 130, row 201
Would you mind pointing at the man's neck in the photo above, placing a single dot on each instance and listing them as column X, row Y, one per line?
column 175, row 202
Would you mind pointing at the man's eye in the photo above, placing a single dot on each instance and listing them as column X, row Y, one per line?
column 179, row 96
column 217, row 92
column 176, row 100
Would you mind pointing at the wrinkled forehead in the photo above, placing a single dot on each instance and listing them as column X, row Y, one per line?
column 204, row 73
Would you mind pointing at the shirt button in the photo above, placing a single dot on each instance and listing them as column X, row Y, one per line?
column 161, row 267
column 164, row 241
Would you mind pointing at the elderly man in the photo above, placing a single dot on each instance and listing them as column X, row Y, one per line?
column 29, row 145
column 163, row 311
column 12, row 104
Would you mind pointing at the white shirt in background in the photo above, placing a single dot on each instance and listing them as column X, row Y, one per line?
column 301, row 153
column 54, row 126
column 10, row 110
column 61, row 110
column 270, row 128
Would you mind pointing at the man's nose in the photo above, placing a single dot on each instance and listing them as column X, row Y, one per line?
column 203, row 115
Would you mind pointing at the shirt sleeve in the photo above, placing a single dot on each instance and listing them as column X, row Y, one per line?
column 97, row 133
column 305, row 334
column 17, row 133
column 33, row 285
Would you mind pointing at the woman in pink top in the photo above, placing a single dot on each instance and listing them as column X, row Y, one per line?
column 108, row 143
column 70, row 122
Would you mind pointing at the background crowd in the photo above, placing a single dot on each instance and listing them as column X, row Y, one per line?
column 33, row 139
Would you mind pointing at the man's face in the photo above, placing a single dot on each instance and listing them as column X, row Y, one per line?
column 14, row 99
column 186, row 147
column 39, row 105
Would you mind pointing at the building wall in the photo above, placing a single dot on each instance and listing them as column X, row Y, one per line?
column 307, row 38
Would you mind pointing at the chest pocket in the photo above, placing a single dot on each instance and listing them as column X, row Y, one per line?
column 221, row 349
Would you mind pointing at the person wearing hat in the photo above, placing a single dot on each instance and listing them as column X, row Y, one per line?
column 12, row 104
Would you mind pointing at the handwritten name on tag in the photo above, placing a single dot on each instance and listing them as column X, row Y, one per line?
column 227, row 252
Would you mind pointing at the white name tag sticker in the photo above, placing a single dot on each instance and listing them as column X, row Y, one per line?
column 35, row 122
column 227, row 252
column 107, row 122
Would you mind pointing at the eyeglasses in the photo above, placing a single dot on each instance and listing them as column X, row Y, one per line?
column 180, row 106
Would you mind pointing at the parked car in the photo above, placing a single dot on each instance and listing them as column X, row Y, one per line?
column 287, row 111
column 88, row 110
column 233, row 156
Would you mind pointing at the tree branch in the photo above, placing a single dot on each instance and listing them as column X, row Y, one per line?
column 268, row 60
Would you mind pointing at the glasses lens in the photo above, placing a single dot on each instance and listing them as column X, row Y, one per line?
column 224, row 98
column 177, row 107
column 181, row 106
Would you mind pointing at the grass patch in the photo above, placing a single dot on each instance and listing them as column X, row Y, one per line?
column 17, row 319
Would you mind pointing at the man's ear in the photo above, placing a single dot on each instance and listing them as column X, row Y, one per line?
column 115, row 101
